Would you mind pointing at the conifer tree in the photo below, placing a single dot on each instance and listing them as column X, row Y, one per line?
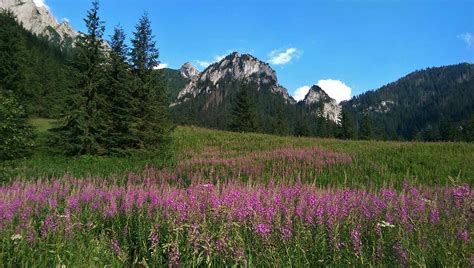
column 86, row 123
column 244, row 114
column 16, row 135
column 366, row 131
column 119, row 95
column 280, row 126
column 347, row 125
column 153, row 124
column 12, row 56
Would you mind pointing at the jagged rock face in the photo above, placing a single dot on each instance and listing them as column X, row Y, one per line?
column 330, row 108
column 40, row 21
column 188, row 71
column 235, row 67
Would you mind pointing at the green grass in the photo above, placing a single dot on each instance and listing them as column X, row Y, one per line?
column 42, row 125
column 375, row 163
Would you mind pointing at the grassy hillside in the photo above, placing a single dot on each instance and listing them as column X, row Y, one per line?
column 372, row 163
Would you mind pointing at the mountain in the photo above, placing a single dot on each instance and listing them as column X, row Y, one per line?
column 221, row 77
column 318, row 101
column 208, row 97
column 431, row 104
column 39, row 20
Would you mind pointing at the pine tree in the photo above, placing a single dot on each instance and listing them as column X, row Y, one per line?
column 153, row 127
column 366, row 130
column 86, row 123
column 244, row 114
column 121, row 103
column 347, row 125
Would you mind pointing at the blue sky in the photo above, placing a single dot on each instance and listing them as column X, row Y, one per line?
column 349, row 46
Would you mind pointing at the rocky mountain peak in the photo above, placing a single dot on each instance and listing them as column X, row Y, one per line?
column 330, row 108
column 39, row 20
column 234, row 67
column 316, row 94
column 188, row 71
column 240, row 66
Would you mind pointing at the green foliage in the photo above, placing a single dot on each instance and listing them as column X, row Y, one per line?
column 144, row 54
column 347, row 126
column 366, row 130
column 244, row 115
column 175, row 82
column 375, row 163
column 432, row 104
column 16, row 135
column 85, row 123
column 120, row 134
column 280, row 126
column 32, row 68
column 12, row 56
column 115, row 107
column 153, row 125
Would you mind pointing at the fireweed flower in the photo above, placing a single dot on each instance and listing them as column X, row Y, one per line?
column 115, row 246
column 356, row 240
column 401, row 253
column 463, row 235
column 263, row 230
column 174, row 256
column 434, row 216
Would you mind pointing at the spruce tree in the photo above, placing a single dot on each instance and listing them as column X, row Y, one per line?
column 280, row 126
column 347, row 125
column 119, row 96
column 244, row 113
column 366, row 131
column 153, row 125
column 86, row 122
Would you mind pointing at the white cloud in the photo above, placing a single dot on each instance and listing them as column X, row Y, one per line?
column 161, row 66
column 468, row 38
column 279, row 57
column 300, row 93
column 336, row 89
column 40, row 3
column 66, row 20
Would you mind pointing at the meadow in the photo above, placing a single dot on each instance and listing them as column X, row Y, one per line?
column 227, row 198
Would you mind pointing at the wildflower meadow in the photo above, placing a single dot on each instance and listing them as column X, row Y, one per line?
column 265, row 203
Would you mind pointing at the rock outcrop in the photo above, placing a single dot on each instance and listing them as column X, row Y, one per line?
column 188, row 71
column 328, row 106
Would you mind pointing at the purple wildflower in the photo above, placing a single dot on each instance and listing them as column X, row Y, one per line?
column 263, row 230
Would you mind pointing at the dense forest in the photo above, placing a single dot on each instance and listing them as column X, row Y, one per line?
column 432, row 104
